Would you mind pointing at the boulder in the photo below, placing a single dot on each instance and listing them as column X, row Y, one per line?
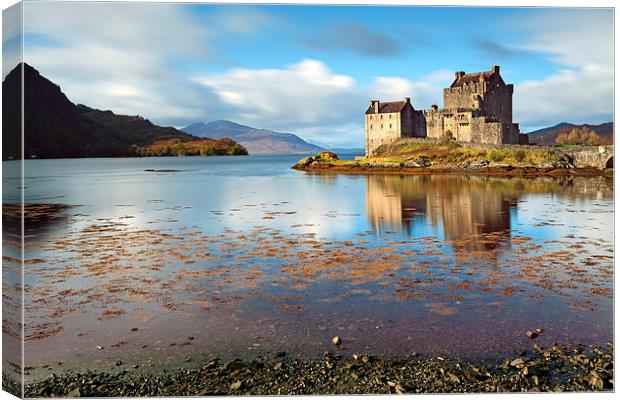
column 420, row 162
column 304, row 162
column 479, row 164
column 324, row 157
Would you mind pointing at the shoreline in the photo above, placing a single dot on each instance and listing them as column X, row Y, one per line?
column 511, row 171
column 410, row 158
column 556, row 368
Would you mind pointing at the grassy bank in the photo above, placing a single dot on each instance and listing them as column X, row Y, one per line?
column 407, row 156
column 449, row 154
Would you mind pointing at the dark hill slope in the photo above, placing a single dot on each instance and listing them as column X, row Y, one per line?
column 54, row 127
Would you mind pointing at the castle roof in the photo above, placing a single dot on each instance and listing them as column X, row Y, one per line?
column 388, row 107
column 463, row 78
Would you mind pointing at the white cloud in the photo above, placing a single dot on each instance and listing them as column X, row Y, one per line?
column 300, row 94
column 574, row 38
column 319, row 104
column 582, row 95
column 582, row 90
column 423, row 92
column 144, row 28
column 119, row 57
column 243, row 19
column 11, row 38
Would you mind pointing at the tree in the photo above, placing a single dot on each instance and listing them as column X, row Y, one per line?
column 578, row 136
column 206, row 151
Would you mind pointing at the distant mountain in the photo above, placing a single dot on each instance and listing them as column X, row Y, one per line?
column 257, row 141
column 546, row 136
column 54, row 127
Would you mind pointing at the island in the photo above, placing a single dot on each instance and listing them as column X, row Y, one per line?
column 418, row 158
column 474, row 133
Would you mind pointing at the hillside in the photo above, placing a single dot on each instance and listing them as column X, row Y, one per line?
column 54, row 127
column 546, row 136
column 256, row 141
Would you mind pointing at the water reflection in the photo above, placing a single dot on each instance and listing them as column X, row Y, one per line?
column 473, row 212
column 464, row 207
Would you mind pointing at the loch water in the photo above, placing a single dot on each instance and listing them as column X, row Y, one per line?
column 170, row 261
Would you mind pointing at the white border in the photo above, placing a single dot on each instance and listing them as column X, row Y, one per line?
column 483, row 3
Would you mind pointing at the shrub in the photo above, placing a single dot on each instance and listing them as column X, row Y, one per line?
column 453, row 144
column 497, row 155
column 380, row 150
column 520, row 155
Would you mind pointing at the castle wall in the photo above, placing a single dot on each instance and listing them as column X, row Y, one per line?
column 419, row 124
column 381, row 129
column 488, row 132
column 434, row 124
column 462, row 96
column 468, row 127
column 497, row 102
column 407, row 122
column 511, row 134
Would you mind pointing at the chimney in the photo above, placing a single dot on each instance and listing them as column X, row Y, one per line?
column 459, row 74
column 408, row 99
column 495, row 69
column 375, row 105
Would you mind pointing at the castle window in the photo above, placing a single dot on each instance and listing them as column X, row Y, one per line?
column 390, row 126
column 381, row 126
column 381, row 116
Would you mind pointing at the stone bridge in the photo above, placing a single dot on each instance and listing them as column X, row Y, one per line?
column 590, row 156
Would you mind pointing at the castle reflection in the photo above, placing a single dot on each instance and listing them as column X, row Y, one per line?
column 474, row 212
column 471, row 211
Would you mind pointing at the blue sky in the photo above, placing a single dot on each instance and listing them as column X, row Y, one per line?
column 312, row 69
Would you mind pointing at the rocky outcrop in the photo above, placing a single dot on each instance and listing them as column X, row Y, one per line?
column 322, row 158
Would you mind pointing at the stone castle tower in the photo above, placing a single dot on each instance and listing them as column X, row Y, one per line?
column 477, row 109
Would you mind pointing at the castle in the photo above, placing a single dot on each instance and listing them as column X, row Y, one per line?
column 477, row 109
